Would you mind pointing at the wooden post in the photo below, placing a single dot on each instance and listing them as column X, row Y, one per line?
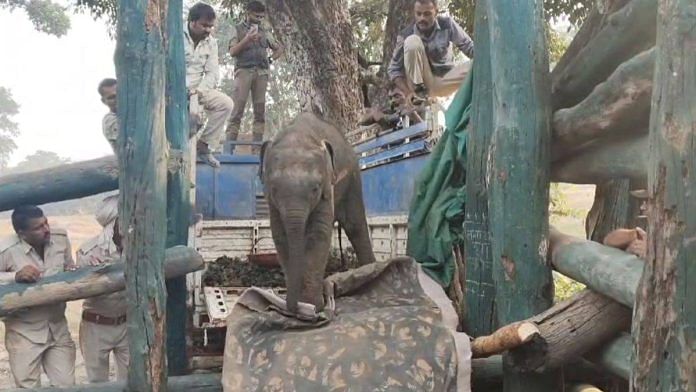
column 178, row 186
column 613, row 208
column 665, row 317
column 480, row 291
column 140, row 68
column 519, row 176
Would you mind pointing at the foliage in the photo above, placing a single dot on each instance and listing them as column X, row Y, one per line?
column 557, row 43
column 8, row 128
column 39, row 160
column 45, row 15
column 565, row 287
column 558, row 203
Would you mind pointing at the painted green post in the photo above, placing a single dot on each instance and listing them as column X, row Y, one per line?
column 480, row 290
column 178, row 186
column 519, row 171
column 664, row 321
column 140, row 69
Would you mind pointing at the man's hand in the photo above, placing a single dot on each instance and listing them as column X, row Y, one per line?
column 639, row 246
column 28, row 274
column 252, row 35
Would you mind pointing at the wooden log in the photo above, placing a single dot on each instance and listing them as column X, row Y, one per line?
column 140, row 70
column 521, row 133
column 206, row 382
column 604, row 161
column 615, row 356
column 569, row 329
column 613, row 208
column 665, row 317
column 178, row 186
column 479, row 315
column 504, row 339
column 88, row 282
column 618, row 106
column 628, row 32
column 64, row 182
column 609, row 271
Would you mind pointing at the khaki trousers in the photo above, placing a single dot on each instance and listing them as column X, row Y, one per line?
column 56, row 357
column 418, row 70
column 254, row 81
column 96, row 343
column 218, row 108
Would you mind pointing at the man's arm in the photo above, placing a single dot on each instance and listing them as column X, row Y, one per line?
column 461, row 40
column 110, row 131
column 211, row 68
column 5, row 275
column 276, row 47
column 237, row 45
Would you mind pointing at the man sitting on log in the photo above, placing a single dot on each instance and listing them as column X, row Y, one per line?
column 423, row 62
column 103, row 327
column 37, row 337
column 202, row 77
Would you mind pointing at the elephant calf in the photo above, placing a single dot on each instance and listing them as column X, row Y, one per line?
column 311, row 179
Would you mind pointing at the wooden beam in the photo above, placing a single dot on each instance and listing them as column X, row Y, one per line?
column 479, row 309
column 207, row 382
column 88, row 282
column 569, row 329
column 140, row 70
column 521, row 133
column 64, row 182
column 615, row 356
column 618, row 106
column 609, row 271
column 628, row 32
column 665, row 317
column 604, row 161
column 178, row 186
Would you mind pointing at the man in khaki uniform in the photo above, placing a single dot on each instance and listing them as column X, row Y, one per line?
column 103, row 327
column 202, row 76
column 423, row 62
column 249, row 45
column 37, row 337
column 107, row 91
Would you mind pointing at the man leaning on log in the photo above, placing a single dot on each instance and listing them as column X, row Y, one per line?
column 37, row 338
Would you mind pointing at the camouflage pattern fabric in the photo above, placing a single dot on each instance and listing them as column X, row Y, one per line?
column 380, row 333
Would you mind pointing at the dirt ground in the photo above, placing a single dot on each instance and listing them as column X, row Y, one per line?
column 82, row 227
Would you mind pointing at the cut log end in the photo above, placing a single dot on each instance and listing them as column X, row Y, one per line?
column 504, row 339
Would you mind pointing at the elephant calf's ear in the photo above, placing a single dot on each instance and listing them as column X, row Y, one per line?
column 331, row 162
column 262, row 155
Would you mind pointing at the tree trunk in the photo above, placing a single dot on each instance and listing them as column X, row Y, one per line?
column 318, row 43
column 140, row 69
column 178, row 187
column 64, row 182
column 665, row 317
column 571, row 328
column 603, row 161
column 88, row 282
column 626, row 33
column 613, row 208
column 620, row 106
column 522, row 133
column 479, row 287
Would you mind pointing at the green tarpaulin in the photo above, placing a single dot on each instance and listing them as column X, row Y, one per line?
column 436, row 215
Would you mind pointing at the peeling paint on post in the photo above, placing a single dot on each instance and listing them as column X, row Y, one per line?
column 519, row 171
column 140, row 69
column 664, row 321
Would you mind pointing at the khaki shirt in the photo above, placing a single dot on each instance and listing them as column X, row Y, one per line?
column 268, row 35
column 110, row 130
column 201, row 63
column 37, row 322
column 97, row 251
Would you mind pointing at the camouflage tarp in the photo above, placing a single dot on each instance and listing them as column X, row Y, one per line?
column 380, row 332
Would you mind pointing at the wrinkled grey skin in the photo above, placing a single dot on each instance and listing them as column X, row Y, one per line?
column 299, row 169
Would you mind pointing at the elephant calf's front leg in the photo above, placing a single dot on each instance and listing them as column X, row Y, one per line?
column 319, row 230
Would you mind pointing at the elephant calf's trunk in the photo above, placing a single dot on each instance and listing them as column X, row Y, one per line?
column 296, row 263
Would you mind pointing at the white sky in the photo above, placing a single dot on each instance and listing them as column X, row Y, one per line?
column 54, row 80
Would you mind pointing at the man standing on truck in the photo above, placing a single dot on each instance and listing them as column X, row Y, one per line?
column 103, row 327
column 423, row 62
column 249, row 46
column 37, row 338
column 202, row 77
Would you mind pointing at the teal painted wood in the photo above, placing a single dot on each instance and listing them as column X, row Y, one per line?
column 140, row 69
column 615, row 356
column 178, row 186
column 479, row 287
column 65, row 182
column 665, row 315
column 629, row 31
column 519, row 171
column 607, row 270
